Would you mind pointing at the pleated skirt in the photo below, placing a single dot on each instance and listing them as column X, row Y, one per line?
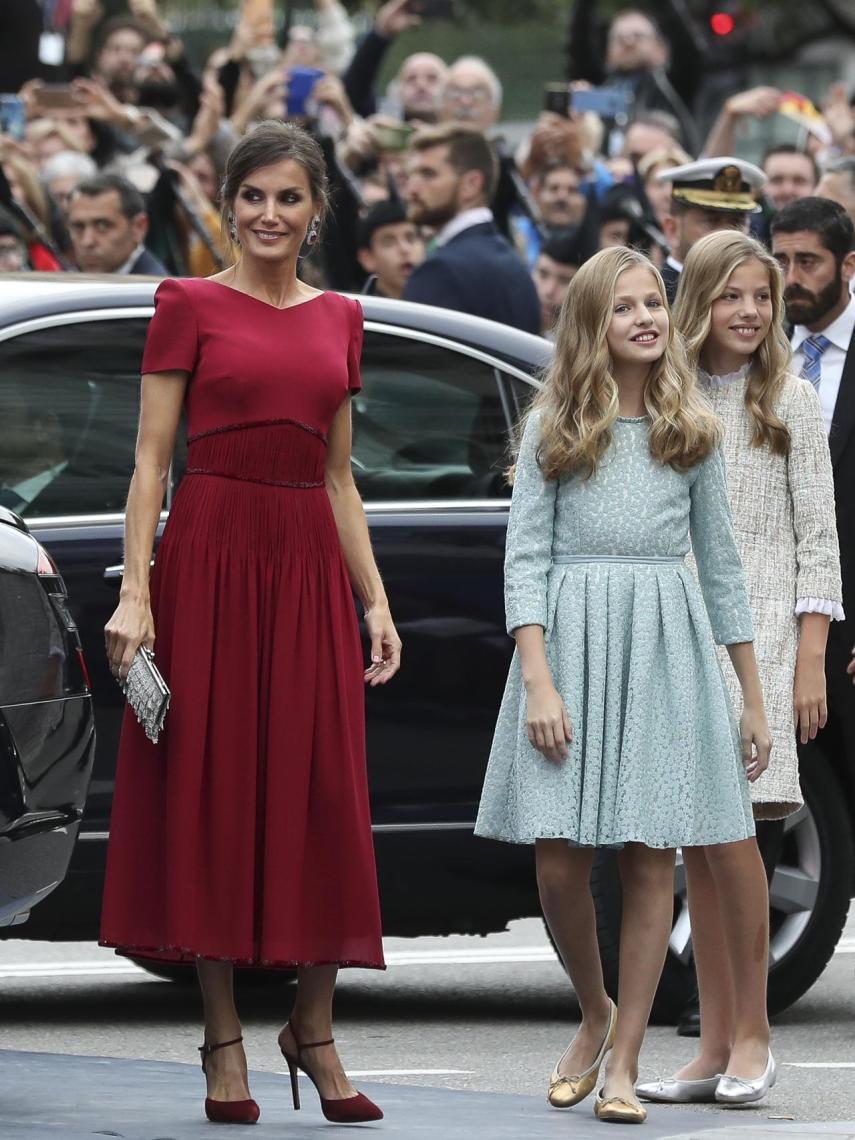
column 655, row 756
column 245, row 833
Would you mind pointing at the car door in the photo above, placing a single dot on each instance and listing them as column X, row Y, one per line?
column 430, row 445
column 73, row 381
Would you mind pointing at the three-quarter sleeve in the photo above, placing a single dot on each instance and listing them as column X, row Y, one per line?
column 528, row 549
column 354, row 349
column 172, row 342
column 811, row 485
column 720, row 571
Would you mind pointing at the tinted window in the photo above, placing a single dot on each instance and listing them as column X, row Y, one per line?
column 69, row 399
column 429, row 424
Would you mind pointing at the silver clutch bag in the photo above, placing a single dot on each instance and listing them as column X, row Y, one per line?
column 147, row 693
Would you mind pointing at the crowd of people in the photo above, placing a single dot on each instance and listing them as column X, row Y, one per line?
column 117, row 167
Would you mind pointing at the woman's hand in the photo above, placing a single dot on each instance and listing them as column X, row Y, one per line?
column 131, row 626
column 756, row 740
column 810, row 711
column 385, row 646
column 548, row 725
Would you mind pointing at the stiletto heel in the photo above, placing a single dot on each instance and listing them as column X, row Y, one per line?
column 295, row 1082
column 356, row 1109
column 228, row 1111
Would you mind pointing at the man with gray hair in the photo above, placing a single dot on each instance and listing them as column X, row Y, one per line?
column 471, row 95
column 63, row 172
column 838, row 183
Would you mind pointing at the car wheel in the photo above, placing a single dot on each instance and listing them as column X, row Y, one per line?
column 809, row 900
column 185, row 975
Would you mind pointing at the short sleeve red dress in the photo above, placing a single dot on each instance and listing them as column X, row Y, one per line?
column 245, row 833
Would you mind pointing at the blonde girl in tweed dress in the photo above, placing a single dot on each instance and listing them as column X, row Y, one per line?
column 729, row 310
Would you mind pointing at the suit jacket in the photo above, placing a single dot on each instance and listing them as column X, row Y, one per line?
column 841, row 441
column 671, row 277
column 148, row 265
column 478, row 272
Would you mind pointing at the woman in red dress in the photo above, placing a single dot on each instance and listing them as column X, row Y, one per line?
column 244, row 835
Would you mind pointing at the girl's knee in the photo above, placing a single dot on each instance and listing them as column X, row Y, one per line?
column 647, row 868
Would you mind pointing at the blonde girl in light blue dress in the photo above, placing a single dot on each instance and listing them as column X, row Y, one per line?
column 615, row 728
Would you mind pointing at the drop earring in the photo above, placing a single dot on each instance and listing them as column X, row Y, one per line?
column 233, row 234
column 314, row 230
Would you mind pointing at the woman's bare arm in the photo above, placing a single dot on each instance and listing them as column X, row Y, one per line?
column 160, row 410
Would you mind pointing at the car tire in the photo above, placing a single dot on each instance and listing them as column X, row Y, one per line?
column 810, row 902
column 818, row 843
column 184, row 974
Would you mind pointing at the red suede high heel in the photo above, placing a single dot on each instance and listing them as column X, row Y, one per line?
column 228, row 1111
column 356, row 1109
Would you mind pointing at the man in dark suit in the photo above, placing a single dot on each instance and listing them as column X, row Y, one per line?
column 813, row 240
column 473, row 269
column 108, row 224
column 708, row 195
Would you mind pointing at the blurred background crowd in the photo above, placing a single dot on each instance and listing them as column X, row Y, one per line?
column 552, row 128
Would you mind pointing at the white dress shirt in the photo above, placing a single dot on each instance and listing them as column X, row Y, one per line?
column 132, row 260
column 29, row 489
column 477, row 216
column 831, row 362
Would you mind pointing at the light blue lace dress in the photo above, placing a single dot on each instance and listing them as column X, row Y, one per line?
column 600, row 564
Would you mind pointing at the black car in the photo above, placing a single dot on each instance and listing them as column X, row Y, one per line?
column 47, row 724
column 431, row 429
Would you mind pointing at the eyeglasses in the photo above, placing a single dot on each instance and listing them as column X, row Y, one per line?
column 478, row 94
column 629, row 37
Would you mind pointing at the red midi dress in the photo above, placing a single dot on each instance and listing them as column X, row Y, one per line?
column 245, row 833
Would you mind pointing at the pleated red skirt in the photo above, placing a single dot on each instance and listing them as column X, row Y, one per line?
column 245, row 833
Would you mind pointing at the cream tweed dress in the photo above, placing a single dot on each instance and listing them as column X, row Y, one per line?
column 630, row 641
column 783, row 519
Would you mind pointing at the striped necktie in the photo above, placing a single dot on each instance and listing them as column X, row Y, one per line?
column 812, row 349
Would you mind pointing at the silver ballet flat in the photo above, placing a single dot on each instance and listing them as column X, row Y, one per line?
column 670, row 1090
column 738, row 1090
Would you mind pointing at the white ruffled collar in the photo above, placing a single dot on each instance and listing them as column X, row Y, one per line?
column 709, row 381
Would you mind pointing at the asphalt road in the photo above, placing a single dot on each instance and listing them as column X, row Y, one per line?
column 486, row 1014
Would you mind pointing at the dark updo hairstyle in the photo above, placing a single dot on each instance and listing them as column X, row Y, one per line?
column 270, row 142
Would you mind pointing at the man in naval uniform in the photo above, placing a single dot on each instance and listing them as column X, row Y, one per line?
column 707, row 195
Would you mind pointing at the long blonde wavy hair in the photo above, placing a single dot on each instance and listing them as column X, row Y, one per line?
column 579, row 400
column 708, row 268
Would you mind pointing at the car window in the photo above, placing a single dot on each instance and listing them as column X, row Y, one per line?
column 69, row 399
column 429, row 423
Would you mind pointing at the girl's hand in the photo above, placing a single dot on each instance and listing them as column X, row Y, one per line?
column 810, row 711
column 385, row 646
column 548, row 725
column 756, row 741
column 131, row 626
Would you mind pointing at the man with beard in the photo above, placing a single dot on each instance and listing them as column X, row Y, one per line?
column 452, row 177
column 813, row 240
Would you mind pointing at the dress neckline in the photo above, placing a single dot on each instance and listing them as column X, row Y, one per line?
column 267, row 305
column 710, row 380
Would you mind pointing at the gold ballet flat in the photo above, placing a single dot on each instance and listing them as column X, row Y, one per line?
column 567, row 1091
column 616, row 1110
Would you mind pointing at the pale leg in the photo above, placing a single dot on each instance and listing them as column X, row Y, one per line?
column 712, row 965
column 743, row 904
column 647, row 877
column 563, row 880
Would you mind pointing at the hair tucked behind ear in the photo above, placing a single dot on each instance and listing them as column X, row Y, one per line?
column 708, row 268
column 579, row 400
